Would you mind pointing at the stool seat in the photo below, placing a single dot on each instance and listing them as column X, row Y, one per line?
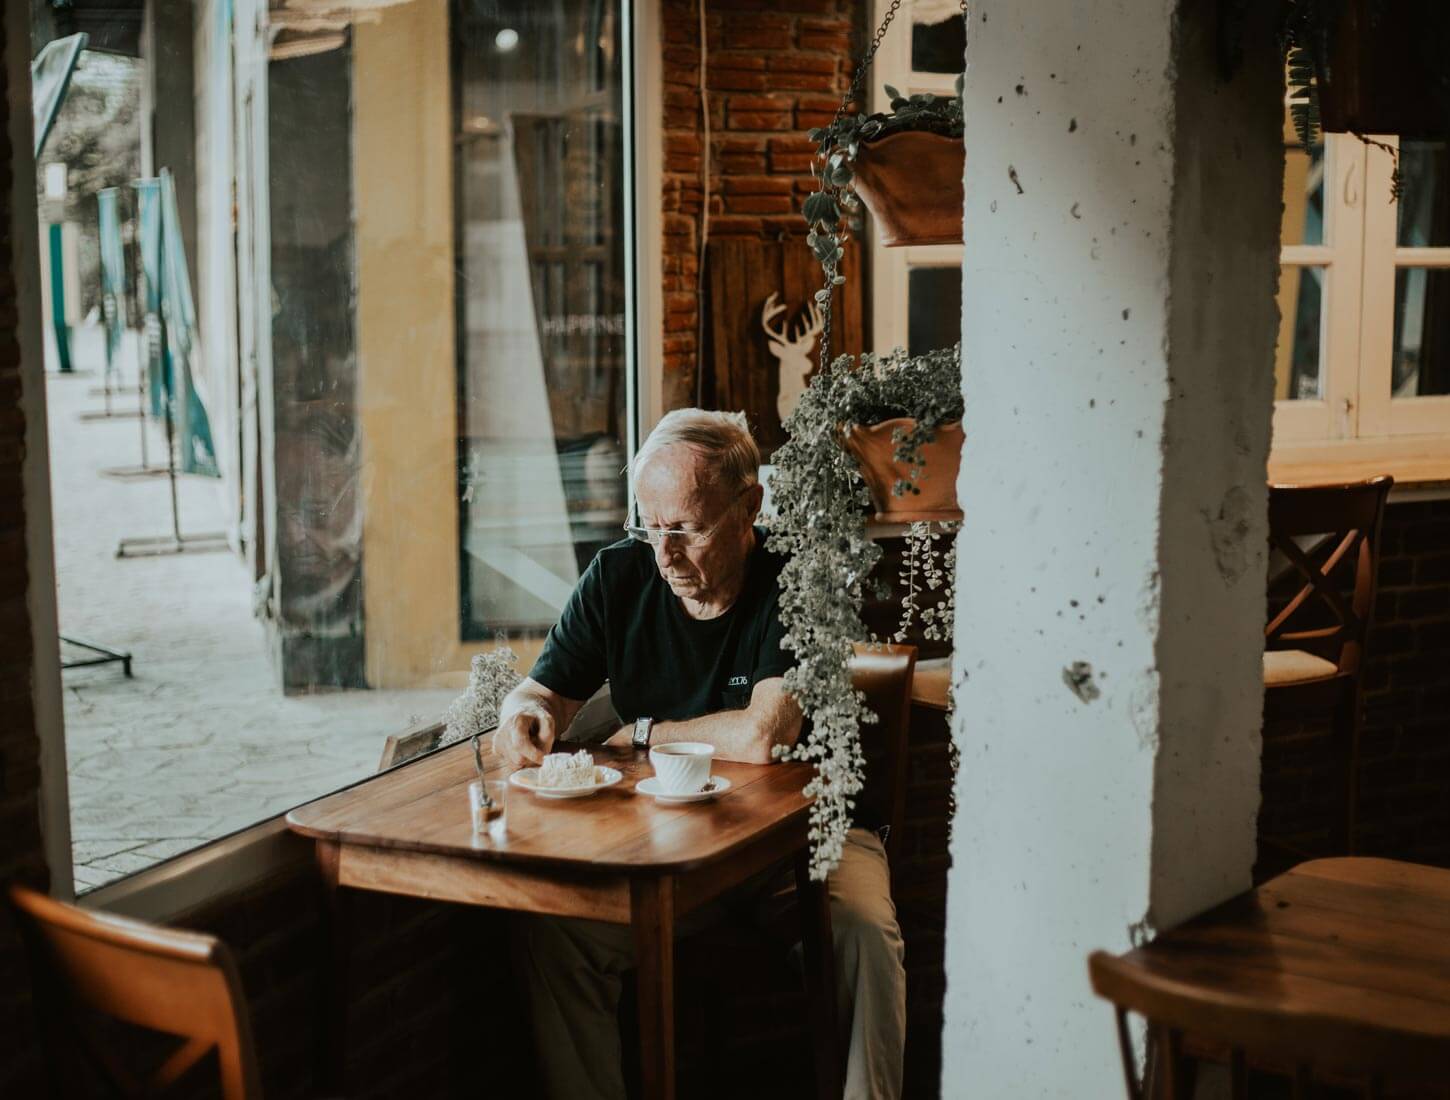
column 931, row 683
column 1295, row 666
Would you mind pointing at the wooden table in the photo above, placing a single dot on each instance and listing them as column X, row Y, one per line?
column 1354, row 944
column 615, row 856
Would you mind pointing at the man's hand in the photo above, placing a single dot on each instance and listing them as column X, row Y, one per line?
column 525, row 735
column 622, row 737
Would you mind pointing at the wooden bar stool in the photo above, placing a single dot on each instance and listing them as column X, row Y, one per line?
column 1314, row 646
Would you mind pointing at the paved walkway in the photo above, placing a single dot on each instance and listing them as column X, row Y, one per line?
column 201, row 742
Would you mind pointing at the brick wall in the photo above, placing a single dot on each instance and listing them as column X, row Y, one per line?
column 21, row 855
column 775, row 68
column 1404, row 772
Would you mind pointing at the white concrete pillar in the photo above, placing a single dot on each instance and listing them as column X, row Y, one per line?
column 1122, row 205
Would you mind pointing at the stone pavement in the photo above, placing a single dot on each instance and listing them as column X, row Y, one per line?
column 201, row 742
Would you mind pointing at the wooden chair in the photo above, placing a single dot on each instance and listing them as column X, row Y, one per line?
column 1254, row 1028
column 886, row 675
column 184, row 984
column 1314, row 646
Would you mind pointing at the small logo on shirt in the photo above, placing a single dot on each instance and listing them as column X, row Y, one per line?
column 739, row 682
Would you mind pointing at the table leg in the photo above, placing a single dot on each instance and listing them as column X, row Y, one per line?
column 332, row 997
column 820, row 959
column 652, row 914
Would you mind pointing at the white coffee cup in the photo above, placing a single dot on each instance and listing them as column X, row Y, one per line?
column 683, row 767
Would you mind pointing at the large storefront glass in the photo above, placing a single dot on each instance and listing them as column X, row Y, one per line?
column 540, row 153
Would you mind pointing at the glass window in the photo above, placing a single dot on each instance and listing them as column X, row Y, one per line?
column 1298, row 357
column 336, row 387
column 1424, row 205
column 540, row 158
column 934, row 296
column 938, row 37
column 1421, row 363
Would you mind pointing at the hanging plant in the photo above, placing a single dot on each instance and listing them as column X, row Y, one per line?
column 906, row 165
column 820, row 527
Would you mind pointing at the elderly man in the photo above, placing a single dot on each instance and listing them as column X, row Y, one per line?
column 683, row 620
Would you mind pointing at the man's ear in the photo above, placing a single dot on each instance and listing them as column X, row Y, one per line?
column 752, row 498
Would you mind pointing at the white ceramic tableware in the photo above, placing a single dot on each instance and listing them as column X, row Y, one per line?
column 682, row 767
column 528, row 779
column 715, row 786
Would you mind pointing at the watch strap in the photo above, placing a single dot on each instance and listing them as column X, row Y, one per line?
column 642, row 730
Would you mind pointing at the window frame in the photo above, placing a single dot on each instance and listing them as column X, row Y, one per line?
column 1356, row 413
column 891, row 267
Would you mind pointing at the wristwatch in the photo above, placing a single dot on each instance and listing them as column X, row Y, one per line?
column 642, row 727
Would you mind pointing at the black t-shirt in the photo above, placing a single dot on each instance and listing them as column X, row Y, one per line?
column 623, row 624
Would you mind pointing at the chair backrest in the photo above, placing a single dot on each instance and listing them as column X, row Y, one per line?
column 884, row 674
column 1344, row 522
column 413, row 741
column 182, row 983
column 1258, row 1028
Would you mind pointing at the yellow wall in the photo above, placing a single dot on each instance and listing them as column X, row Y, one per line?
column 403, row 188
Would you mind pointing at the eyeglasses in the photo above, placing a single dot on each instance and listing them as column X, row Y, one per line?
column 689, row 539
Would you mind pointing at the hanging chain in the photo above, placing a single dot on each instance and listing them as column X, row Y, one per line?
column 852, row 92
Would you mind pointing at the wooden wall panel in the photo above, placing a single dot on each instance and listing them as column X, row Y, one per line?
column 741, row 274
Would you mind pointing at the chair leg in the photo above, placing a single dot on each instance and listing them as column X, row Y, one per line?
column 1345, row 734
column 818, row 945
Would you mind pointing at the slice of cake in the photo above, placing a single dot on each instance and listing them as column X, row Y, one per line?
column 564, row 769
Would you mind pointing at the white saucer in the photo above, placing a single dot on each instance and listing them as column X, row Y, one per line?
column 528, row 779
column 718, row 785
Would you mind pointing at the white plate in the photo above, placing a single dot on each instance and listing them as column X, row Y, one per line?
column 717, row 786
column 528, row 779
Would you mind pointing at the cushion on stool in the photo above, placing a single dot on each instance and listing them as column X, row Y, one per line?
column 930, row 681
column 1295, row 666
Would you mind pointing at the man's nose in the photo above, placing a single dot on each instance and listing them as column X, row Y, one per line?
column 665, row 551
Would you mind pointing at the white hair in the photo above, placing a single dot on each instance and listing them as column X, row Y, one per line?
column 722, row 439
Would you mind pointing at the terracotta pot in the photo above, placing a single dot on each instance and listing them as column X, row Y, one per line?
column 942, row 457
column 912, row 184
column 1385, row 73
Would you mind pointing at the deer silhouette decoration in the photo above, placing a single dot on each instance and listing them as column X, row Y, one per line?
column 793, row 346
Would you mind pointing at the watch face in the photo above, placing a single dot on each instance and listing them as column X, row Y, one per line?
column 641, row 732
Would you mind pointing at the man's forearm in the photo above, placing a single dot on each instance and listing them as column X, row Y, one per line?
column 748, row 736
column 736, row 734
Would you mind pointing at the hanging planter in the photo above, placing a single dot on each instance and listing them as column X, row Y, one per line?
column 912, row 184
column 900, row 492
column 904, row 165
column 1368, row 67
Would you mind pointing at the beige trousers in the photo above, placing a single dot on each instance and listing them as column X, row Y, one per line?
column 574, row 967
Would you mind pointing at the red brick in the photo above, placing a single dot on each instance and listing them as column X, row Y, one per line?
column 760, row 120
column 809, row 120
column 758, row 204
column 804, row 82
column 832, row 35
column 802, row 63
column 757, row 185
column 740, row 80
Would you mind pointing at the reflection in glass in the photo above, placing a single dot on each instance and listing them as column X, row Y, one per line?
column 938, row 38
column 1424, row 204
column 934, row 310
column 1297, row 358
column 539, row 166
column 1421, row 365
column 1303, row 221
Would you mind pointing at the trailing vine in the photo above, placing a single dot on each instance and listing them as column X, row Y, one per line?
column 820, row 527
